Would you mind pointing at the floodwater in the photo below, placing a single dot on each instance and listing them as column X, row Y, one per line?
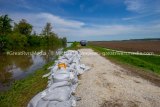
column 15, row 65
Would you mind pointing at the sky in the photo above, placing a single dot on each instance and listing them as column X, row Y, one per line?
column 89, row 19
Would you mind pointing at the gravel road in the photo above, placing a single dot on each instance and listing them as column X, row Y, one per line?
column 109, row 85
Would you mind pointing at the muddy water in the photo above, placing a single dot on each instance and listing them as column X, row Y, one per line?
column 15, row 65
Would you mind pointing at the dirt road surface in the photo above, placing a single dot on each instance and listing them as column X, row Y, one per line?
column 109, row 85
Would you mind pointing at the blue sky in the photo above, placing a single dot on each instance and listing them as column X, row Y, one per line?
column 89, row 19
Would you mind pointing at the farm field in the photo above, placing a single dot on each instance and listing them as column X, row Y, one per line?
column 147, row 62
column 131, row 45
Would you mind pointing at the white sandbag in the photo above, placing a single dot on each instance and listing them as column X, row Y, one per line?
column 42, row 103
column 73, row 88
column 61, row 71
column 58, row 94
column 33, row 102
column 52, row 103
column 50, row 82
column 60, row 77
column 76, row 61
column 63, row 61
column 60, row 104
column 54, row 69
column 74, row 78
column 84, row 67
column 46, row 75
column 69, row 103
column 65, row 104
column 67, row 56
column 58, row 84
column 62, row 82
column 79, row 70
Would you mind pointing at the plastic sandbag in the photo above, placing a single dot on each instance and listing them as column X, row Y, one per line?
column 60, row 104
column 58, row 84
column 61, row 77
column 84, row 67
column 58, row 94
column 42, row 103
column 62, row 82
column 79, row 70
column 52, row 103
column 33, row 102
column 46, row 75
column 73, row 88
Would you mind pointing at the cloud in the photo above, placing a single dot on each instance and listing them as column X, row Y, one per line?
column 58, row 21
column 16, row 3
column 139, row 16
column 40, row 19
column 143, row 6
column 75, row 30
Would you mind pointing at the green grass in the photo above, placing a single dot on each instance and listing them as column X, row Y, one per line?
column 148, row 63
column 74, row 46
column 23, row 90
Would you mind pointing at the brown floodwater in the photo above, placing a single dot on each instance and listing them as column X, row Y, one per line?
column 15, row 65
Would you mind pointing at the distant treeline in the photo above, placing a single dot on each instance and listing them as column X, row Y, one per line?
column 21, row 35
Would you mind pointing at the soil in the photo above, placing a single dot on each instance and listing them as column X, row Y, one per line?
column 133, row 46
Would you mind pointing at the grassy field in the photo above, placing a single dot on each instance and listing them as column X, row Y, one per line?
column 148, row 63
column 23, row 90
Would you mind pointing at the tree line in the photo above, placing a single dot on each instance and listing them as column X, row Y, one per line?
column 21, row 35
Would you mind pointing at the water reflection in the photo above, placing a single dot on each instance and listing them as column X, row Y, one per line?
column 14, row 67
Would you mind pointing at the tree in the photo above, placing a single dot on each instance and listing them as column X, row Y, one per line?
column 5, row 25
column 47, row 29
column 23, row 27
column 64, row 41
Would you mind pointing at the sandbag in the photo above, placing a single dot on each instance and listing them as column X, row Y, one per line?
column 58, row 84
column 60, row 104
column 42, row 103
column 62, row 82
column 58, row 94
column 61, row 77
column 36, row 98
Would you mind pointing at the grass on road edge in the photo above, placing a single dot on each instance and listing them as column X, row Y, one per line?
column 148, row 63
column 23, row 90
column 74, row 46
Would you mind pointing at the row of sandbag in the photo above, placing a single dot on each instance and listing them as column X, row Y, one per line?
column 62, row 82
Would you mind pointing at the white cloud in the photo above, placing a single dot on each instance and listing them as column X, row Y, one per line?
column 139, row 16
column 77, row 29
column 40, row 19
column 16, row 3
column 134, row 5
column 143, row 6
column 58, row 21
